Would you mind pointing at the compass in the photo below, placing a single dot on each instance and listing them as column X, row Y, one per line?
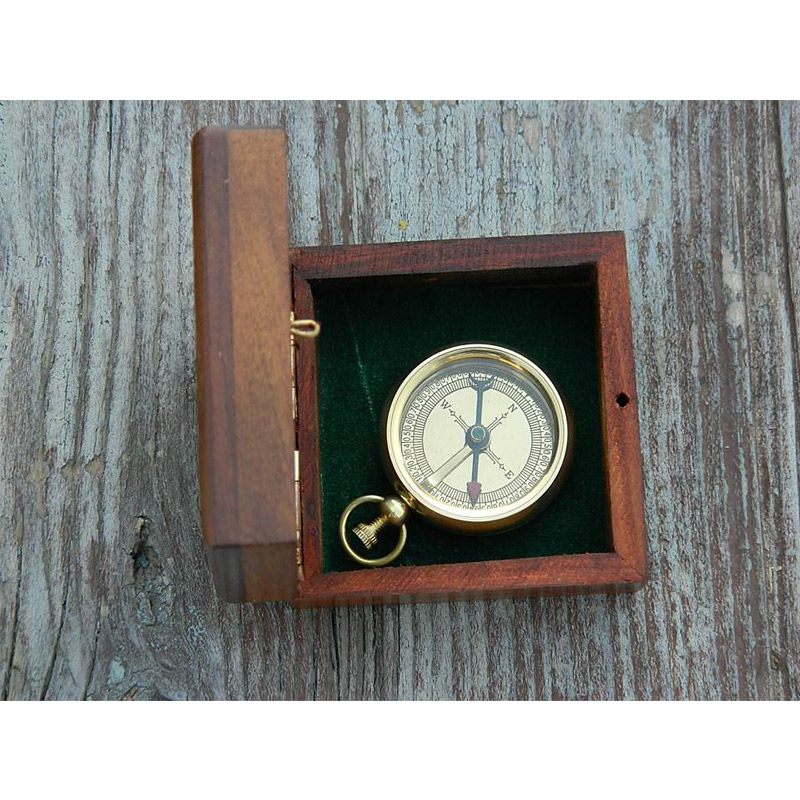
column 476, row 440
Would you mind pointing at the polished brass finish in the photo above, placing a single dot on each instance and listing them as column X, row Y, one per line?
column 476, row 439
column 392, row 511
column 471, row 520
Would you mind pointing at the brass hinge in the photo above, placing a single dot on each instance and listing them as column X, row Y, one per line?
column 293, row 345
column 298, row 520
column 309, row 329
column 298, row 515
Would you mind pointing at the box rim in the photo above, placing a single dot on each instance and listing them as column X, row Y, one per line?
column 622, row 569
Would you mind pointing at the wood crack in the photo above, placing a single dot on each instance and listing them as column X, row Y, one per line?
column 337, row 667
column 92, row 662
column 62, row 616
column 14, row 626
column 342, row 124
column 786, row 226
column 787, row 665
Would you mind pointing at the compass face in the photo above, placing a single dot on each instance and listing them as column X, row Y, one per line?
column 476, row 435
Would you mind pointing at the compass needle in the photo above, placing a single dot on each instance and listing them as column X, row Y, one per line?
column 435, row 478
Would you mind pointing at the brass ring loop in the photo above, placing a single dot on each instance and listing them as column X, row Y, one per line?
column 369, row 562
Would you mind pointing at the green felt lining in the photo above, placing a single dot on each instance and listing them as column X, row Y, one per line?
column 373, row 335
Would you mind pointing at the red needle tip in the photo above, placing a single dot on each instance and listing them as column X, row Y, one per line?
column 473, row 490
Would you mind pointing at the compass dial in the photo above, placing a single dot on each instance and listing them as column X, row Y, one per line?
column 477, row 435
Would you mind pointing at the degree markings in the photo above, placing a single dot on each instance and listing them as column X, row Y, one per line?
column 428, row 399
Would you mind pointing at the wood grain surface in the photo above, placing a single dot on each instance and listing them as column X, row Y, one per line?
column 243, row 297
column 104, row 588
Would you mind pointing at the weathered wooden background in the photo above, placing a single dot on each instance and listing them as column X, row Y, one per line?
column 104, row 590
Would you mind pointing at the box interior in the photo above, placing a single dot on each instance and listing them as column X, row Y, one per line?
column 374, row 332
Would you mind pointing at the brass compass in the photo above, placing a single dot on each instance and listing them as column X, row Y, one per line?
column 476, row 440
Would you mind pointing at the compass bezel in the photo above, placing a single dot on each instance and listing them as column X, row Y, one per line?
column 478, row 520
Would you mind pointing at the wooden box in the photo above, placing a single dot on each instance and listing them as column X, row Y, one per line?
column 261, row 395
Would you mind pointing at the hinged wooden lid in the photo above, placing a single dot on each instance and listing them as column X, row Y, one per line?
column 242, row 306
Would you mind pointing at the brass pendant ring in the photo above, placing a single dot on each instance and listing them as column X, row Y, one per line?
column 393, row 512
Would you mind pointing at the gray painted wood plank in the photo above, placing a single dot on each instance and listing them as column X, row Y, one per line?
column 104, row 589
